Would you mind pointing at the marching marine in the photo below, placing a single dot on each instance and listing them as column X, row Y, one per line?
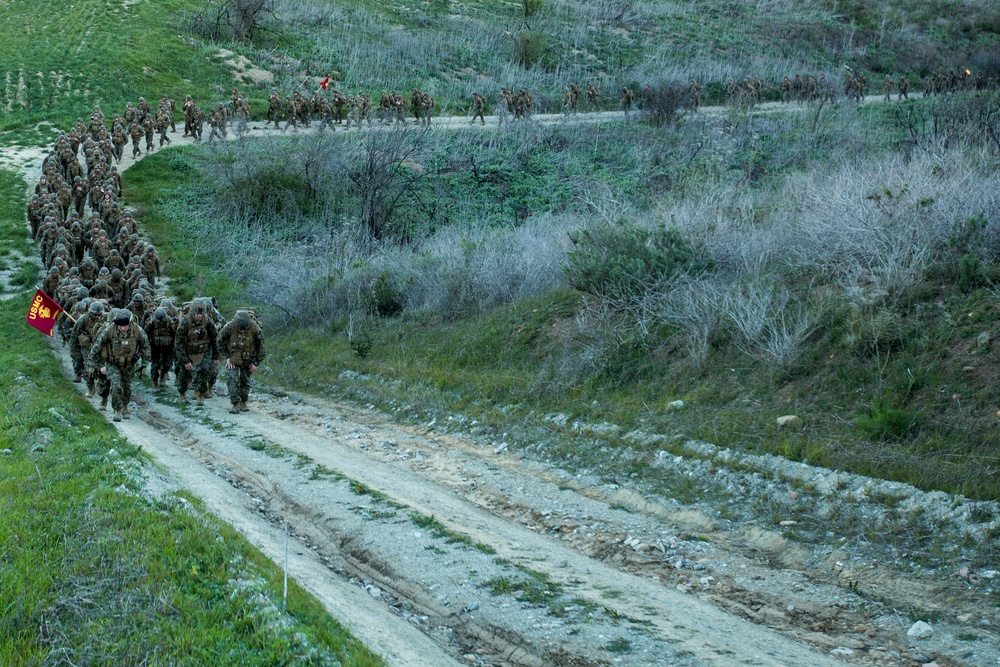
column 117, row 348
column 241, row 341
column 161, row 330
column 196, row 348
column 80, row 340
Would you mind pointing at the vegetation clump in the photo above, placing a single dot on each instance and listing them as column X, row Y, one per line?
column 623, row 261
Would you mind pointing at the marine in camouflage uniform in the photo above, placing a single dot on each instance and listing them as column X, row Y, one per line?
column 217, row 121
column 242, row 343
column 136, row 132
column 339, row 100
column 197, row 349
column 149, row 127
column 117, row 348
column 189, row 109
column 274, row 102
column 478, row 103
column 628, row 99
column 150, row 264
column 504, row 106
column 80, row 340
column 426, row 109
column 161, row 329
column 364, row 109
column 162, row 124
column 290, row 114
column 352, row 113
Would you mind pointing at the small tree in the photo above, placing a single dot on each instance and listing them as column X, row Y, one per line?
column 233, row 19
column 661, row 102
column 622, row 261
column 383, row 179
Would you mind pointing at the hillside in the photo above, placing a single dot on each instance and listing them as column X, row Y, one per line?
column 670, row 308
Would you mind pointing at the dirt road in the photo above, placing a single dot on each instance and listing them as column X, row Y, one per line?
column 438, row 548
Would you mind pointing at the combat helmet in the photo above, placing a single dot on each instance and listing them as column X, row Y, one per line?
column 242, row 320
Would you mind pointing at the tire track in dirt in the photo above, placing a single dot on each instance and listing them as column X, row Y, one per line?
column 691, row 630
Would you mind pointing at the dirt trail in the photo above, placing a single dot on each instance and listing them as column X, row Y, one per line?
column 439, row 549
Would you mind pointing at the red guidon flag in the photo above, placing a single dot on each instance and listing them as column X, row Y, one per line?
column 43, row 313
column 325, row 82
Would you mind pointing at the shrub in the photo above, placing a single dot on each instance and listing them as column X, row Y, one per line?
column 662, row 101
column 233, row 19
column 970, row 273
column 623, row 261
column 531, row 48
column 384, row 299
column 873, row 331
column 887, row 423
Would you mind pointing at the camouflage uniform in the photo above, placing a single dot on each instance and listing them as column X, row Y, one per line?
column 197, row 349
column 364, row 109
column 161, row 330
column 628, row 99
column 114, row 353
column 189, row 109
column 217, row 121
column 137, row 306
column 426, row 108
column 273, row 108
column 163, row 122
column 136, row 132
column 148, row 127
column 290, row 114
column 339, row 100
column 478, row 103
column 151, row 265
column 352, row 112
column 80, row 340
column 242, row 342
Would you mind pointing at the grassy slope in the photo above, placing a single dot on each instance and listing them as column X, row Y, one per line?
column 452, row 47
column 105, row 572
column 61, row 58
column 87, row 565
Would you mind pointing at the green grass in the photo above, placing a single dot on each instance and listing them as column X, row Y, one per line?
column 438, row 530
column 535, row 589
column 115, row 575
column 60, row 63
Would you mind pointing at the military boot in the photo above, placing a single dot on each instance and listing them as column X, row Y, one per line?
column 182, row 396
column 236, row 409
column 104, row 402
column 118, row 416
column 126, row 414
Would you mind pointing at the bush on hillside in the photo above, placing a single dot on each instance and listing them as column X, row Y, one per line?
column 531, row 48
column 886, row 423
column 622, row 261
column 663, row 101
column 233, row 19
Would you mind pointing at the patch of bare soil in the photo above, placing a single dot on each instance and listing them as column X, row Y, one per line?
column 244, row 71
column 438, row 548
